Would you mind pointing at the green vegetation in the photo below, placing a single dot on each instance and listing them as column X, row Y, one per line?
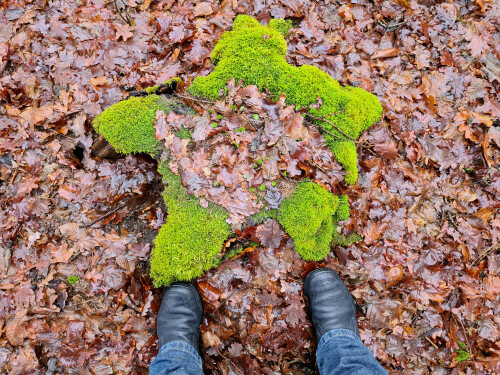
column 308, row 217
column 129, row 125
column 184, row 133
column 341, row 240
column 281, row 25
column 343, row 209
column 463, row 353
column 170, row 82
column 263, row 215
column 72, row 280
column 190, row 241
column 256, row 54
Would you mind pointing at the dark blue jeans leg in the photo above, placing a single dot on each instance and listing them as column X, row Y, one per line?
column 176, row 358
column 341, row 352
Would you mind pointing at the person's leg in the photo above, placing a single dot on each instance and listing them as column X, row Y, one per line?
column 176, row 358
column 340, row 350
column 178, row 328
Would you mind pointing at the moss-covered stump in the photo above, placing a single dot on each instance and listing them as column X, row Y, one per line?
column 257, row 55
column 193, row 236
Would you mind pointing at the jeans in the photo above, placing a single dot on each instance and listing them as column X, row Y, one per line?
column 339, row 352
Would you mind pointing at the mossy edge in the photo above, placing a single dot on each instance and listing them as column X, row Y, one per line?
column 191, row 240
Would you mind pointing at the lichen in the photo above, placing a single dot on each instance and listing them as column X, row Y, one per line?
column 191, row 240
column 308, row 217
column 256, row 54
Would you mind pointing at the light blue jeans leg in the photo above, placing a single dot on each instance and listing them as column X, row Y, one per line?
column 341, row 352
column 176, row 358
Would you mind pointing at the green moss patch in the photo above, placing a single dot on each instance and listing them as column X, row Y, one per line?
column 343, row 210
column 256, row 54
column 184, row 133
column 190, row 241
column 129, row 125
column 308, row 217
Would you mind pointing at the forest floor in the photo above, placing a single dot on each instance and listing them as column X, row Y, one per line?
column 76, row 231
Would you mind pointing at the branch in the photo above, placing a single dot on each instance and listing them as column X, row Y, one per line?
column 332, row 124
column 484, row 254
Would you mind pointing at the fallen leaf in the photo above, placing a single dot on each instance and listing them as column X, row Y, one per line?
column 385, row 53
column 98, row 81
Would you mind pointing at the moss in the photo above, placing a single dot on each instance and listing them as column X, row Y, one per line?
column 345, row 153
column 462, row 354
column 256, row 54
column 169, row 83
column 152, row 89
column 232, row 253
column 343, row 210
column 263, row 215
column 129, row 125
column 308, row 217
column 190, row 241
column 341, row 240
column 184, row 133
column 281, row 25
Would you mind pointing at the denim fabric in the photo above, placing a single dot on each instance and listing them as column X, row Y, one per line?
column 176, row 358
column 341, row 352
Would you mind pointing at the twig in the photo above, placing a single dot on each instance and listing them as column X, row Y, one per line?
column 332, row 124
column 480, row 257
column 225, row 299
column 121, row 15
column 389, row 27
column 163, row 88
column 432, row 343
column 317, row 166
column 105, row 215
column 128, row 302
column 320, row 128
column 465, row 333
column 427, row 333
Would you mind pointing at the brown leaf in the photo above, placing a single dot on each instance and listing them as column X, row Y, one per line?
column 98, row 81
column 37, row 115
column 210, row 339
column 270, row 233
column 388, row 150
column 385, row 53
column 395, row 274
column 227, row 178
column 203, row 9
column 60, row 254
column 15, row 327
column 477, row 45
column 124, row 32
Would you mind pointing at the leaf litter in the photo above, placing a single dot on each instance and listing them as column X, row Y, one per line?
column 425, row 276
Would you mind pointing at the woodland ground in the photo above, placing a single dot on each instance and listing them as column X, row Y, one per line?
column 75, row 230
